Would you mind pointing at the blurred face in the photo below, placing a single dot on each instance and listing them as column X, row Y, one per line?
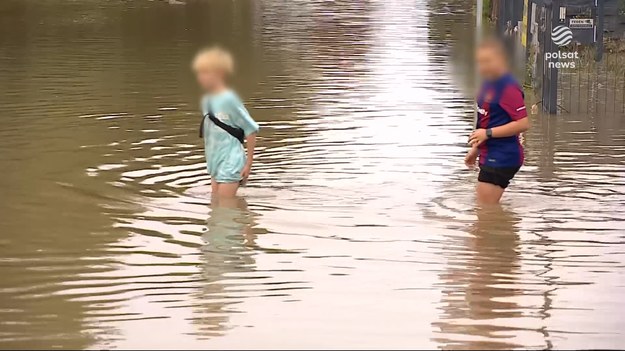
column 209, row 79
column 491, row 63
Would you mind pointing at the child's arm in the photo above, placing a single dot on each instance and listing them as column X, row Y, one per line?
column 251, row 145
column 513, row 103
column 513, row 128
column 242, row 119
column 471, row 157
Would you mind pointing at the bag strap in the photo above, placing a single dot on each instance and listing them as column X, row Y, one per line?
column 202, row 126
column 237, row 133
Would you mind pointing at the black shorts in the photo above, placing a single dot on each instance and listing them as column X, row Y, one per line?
column 500, row 176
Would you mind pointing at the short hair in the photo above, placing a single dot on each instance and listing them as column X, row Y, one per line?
column 213, row 58
column 493, row 43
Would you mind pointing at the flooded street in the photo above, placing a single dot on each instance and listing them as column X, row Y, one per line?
column 358, row 227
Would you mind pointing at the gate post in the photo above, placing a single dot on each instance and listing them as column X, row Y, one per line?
column 599, row 29
column 551, row 104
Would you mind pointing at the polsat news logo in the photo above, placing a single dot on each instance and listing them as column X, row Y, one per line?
column 562, row 36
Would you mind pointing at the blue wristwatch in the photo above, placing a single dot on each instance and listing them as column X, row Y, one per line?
column 489, row 133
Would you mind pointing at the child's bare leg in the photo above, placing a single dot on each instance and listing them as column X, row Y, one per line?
column 227, row 190
column 214, row 187
column 488, row 194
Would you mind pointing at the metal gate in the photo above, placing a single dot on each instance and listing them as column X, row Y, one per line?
column 548, row 73
column 596, row 88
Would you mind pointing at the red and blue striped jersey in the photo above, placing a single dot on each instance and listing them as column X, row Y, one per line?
column 501, row 102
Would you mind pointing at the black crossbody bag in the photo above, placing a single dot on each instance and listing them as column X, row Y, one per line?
column 237, row 133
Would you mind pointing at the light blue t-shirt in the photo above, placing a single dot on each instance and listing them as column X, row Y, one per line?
column 225, row 156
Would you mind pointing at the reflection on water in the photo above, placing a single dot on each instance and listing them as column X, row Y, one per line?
column 480, row 288
column 358, row 227
column 228, row 254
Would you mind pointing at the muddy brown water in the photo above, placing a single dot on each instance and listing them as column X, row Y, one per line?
column 358, row 227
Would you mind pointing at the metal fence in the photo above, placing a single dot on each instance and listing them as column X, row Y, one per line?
column 596, row 88
column 591, row 82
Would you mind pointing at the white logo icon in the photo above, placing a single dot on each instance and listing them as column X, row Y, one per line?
column 561, row 35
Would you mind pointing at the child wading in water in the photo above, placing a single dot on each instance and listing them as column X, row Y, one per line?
column 226, row 125
column 502, row 116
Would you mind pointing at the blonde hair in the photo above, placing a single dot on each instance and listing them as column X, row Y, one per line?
column 213, row 59
column 493, row 43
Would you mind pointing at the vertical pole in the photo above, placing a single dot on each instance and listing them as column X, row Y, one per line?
column 479, row 14
column 502, row 17
column 527, row 19
column 552, row 106
column 599, row 28
column 478, row 18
